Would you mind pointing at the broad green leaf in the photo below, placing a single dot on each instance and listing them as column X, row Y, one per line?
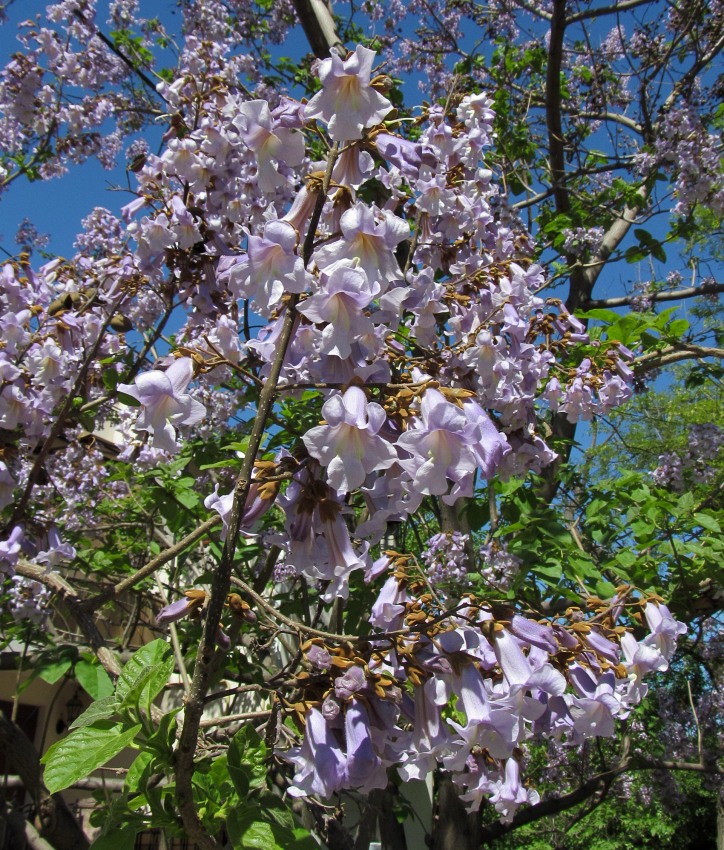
column 678, row 327
column 138, row 772
column 129, row 400
column 148, row 684
column 626, row 558
column 83, row 751
column 158, row 652
column 603, row 315
column 708, row 522
column 123, row 838
column 163, row 739
column 247, row 760
column 248, row 833
column 101, row 709
column 551, row 572
column 260, row 835
column 54, row 665
column 94, row 679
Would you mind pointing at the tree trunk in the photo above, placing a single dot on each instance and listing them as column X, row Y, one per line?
column 453, row 828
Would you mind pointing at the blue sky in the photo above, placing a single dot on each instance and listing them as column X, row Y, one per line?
column 56, row 207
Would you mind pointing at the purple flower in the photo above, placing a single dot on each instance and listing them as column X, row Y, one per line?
column 593, row 712
column 369, row 236
column 164, row 402
column 449, row 444
column 272, row 143
column 270, row 267
column 665, row 630
column 349, row 445
column 57, row 551
column 387, row 612
column 347, row 102
column 402, row 153
column 340, row 302
column 319, row 657
column 509, row 793
column 7, row 485
column 347, row 685
column 10, row 550
column 192, row 602
column 363, row 768
column 319, row 761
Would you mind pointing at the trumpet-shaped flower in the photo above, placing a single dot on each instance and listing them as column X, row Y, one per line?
column 349, row 445
column 319, row 761
column 272, row 143
column 447, row 443
column 268, row 269
column 370, row 237
column 165, row 402
column 347, row 103
column 344, row 293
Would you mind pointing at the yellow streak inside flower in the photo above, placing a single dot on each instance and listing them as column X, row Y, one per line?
column 348, row 93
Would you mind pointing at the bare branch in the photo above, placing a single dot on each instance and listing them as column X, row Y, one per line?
column 616, row 9
column 673, row 295
column 154, row 564
column 85, row 621
column 675, row 354
column 222, row 577
column 598, row 784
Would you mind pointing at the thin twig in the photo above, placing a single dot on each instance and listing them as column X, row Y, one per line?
column 222, row 577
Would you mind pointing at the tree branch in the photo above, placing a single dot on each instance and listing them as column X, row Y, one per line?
column 674, row 354
column 597, row 784
column 673, row 295
column 616, row 9
column 318, row 24
column 85, row 621
column 222, row 577
column 154, row 564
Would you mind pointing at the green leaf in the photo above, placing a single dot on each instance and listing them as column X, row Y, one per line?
column 708, row 522
column 122, row 838
column 148, row 684
column 55, row 664
column 93, row 678
column 635, row 254
column 551, row 572
column 626, row 558
column 163, row 739
column 602, row 315
column 138, row 772
column 247, row 761
column 101, row 709
column 247, row 832
column 83, row 751
column 678, row 327
column 156, row 655
column 129, row 400
column 260, row 835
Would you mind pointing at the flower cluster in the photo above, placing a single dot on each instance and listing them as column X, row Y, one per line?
column 445, row 559
column 695, row 464
column 28, row 600
column 412, row 308
column 510, row 677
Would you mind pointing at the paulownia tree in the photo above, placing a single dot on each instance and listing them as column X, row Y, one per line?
column 306, row 401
